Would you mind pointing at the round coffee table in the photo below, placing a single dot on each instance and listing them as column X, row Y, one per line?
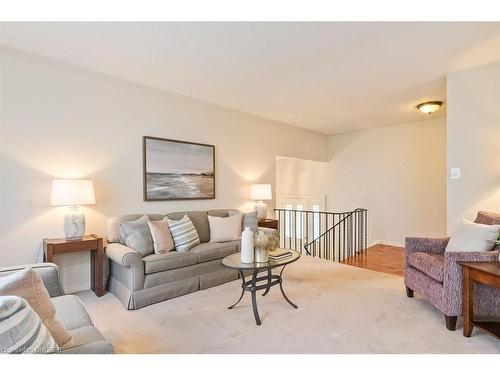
column 234, row 261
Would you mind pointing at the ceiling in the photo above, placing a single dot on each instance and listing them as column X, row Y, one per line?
column 330, row 77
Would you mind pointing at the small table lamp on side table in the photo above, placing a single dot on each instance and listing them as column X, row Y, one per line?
column 74, row 193
column 261, row 192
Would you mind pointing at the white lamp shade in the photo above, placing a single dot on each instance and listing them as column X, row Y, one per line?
column 72, row 192
column 261, row 192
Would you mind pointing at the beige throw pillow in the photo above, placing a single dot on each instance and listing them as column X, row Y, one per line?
column 223, row 229
column 162, row 238
column 28, row 285
column 471, row 236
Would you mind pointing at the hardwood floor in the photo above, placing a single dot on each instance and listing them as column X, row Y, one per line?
column 382, row 258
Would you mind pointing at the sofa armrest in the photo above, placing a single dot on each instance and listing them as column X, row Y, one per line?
column 453, row 276
column 130, row 269
column 426, row 245
column 48, row 272
column 123, row 255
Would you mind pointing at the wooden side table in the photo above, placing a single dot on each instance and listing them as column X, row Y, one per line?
column 92, row 243
column 269, row 223
column 487, row 273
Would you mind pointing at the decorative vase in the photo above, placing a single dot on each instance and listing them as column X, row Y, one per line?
column 247, row 250
column 273, row 242
column 261, row 240
column 74, row 224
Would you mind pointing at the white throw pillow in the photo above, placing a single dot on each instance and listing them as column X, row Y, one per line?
column 471, row 236
column 162, row 238
column 223, row 229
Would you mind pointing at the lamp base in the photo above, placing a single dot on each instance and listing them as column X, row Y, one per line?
column 261, row 210
column 74, row 224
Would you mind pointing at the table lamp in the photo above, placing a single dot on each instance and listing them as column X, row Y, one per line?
column 261, row 192
column 74, row 193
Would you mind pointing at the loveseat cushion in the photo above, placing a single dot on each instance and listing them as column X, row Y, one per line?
column 214, row 250
column 167, row 261
column 430, row 264
column 71, row 312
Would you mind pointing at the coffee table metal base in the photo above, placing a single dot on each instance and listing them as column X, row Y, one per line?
column 252, row 287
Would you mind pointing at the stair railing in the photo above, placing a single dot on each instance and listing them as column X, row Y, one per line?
column 333, row 236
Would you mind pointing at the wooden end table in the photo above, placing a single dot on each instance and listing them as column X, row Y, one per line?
column 92, row 243
column 487, row 273
column 269, row 223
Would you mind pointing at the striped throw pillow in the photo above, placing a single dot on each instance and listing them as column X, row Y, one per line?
column 184, row 233
column 22, row 330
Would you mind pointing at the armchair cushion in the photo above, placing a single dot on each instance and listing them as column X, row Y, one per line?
column 430, row 264
column 471, row 236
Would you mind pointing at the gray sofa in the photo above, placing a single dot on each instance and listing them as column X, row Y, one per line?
column 140, row 281
column 69, row 311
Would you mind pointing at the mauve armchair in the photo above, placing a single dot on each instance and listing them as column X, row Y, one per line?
column 436, row 276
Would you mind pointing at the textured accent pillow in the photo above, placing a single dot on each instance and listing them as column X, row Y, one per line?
column 487, row 218
column 224, row 229
column 162, row 238
column 137, row 236
column 250, row 220
column 28, row 285
column 184, row 233
column 470, row 236
column 22, row 330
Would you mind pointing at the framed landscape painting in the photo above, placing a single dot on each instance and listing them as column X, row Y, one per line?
column 176, row 170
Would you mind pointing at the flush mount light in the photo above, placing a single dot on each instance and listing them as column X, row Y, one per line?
column 429, row 107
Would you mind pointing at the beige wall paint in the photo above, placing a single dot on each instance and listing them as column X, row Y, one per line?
column 58, row 120
column 473, row 142
column 300, row 177
column 398, row 173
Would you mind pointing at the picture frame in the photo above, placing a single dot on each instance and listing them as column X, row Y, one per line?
column 177, row 170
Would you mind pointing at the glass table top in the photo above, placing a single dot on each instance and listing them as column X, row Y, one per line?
column 234, row 261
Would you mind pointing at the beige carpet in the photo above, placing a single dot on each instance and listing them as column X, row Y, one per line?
column 342, row 309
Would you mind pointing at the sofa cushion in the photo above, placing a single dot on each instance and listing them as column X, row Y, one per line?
column 137, row 235
column 225, row 229
column 199, row 220
column 71, row 312
column 167, row 261
column 214, row 250
column 430, row 264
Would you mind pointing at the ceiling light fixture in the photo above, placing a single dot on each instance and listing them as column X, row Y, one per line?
column 429, row 107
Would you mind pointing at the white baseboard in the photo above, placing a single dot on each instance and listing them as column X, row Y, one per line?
column 391, row 243
column 388, row 243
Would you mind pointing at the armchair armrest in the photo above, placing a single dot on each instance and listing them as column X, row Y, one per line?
column 426, row 245
column 130, row 269
column 453, row 276
column 48, row 272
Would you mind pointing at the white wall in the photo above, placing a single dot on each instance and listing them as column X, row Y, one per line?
column 58, row 120
column 306, row 178
column 474, row 142
column 398, row 173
